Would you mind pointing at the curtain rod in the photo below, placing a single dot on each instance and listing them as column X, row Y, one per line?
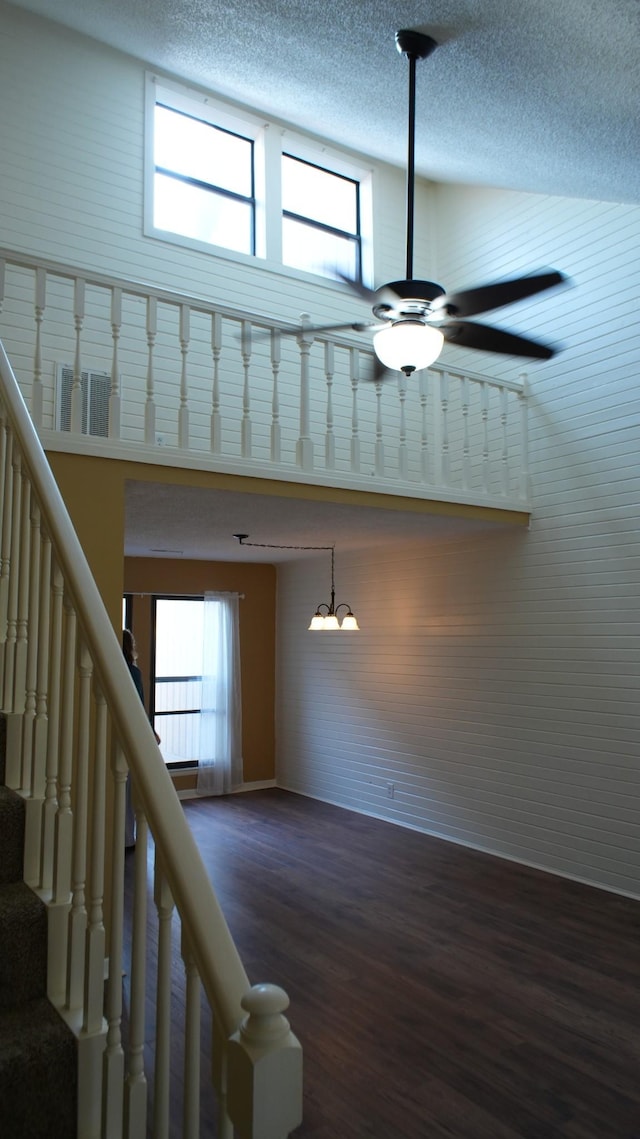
column 153, row 593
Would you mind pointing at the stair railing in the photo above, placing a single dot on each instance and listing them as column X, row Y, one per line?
column 76, row 727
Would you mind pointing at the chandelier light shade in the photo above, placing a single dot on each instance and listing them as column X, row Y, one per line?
column 408, row 345
column 326, row 617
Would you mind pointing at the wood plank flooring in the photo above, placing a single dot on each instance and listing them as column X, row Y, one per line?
column 439, row 993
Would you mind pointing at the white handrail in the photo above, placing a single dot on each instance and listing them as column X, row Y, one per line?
column 211, row 946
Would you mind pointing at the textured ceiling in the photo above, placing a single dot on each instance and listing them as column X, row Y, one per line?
column 203, row 523
column 539, row 96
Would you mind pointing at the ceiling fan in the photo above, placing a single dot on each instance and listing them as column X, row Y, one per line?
column 413, row 319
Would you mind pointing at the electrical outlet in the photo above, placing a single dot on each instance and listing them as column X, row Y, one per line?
column 160, row 440
column 391, row 790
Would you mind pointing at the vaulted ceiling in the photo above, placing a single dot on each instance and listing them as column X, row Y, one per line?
column 538, row 96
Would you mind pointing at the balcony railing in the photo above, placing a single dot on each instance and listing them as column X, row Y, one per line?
column 226, row 390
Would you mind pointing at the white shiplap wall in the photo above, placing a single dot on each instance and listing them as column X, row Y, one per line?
column 495, row 682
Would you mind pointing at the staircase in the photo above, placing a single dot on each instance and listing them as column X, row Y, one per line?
column 74, row 729
column 37, row 1050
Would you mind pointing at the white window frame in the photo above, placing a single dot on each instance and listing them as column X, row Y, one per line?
column 270, row 141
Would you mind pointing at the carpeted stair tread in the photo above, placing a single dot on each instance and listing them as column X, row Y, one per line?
column 23, row 945
column 11, row 835
column 37, row 1073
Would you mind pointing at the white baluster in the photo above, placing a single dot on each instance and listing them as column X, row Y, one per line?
column 63, row 828
column 304, row 446
column 444, row 438
column 191, row 1106
column 95, row 937
column 64, row 814
column 114, row 393
column 466, row 455
column 3, row 266
column 423, row 390
column 41, row 652
column 40, row 304
column 183, row 413
column 379, row 446
column 245, row 429
column 113, row 1059
column 265, row 1068
column 329, row 439
column 14, row 580
column 525, row 489
column 164, row 906
column 50, row 806
column 76, row 390
column 20, row 663
column 7, row 526
column 29, row 773
column 275, row 399
column 354, row 375
column 135, row 1104
column 484, row 415
column 403, row 459
column 216, row 349
column 504, row 424
column 78, row 914
column 150, row 407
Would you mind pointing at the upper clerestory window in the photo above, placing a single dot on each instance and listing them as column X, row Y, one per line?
column 223, row 180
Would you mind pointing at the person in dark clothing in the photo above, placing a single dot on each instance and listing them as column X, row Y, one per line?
column 130, row 655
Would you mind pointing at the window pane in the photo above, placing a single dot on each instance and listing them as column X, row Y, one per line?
column 304, row 247
column 318, row 194
column 180, row 736
column 178, row 695
column 202, row 215
column 199, row 150
column 179, row 634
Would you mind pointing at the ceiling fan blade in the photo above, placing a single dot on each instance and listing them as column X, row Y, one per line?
column 379, row 372
column 354, row 325
column 372, row 296
column 468, row 302
column 467, row 334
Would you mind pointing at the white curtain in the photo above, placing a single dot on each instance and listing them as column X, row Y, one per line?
column 220, row 763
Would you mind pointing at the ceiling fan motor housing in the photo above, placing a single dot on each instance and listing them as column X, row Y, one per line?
column 413, row 299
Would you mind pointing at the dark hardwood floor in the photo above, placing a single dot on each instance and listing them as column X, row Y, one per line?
column 438, row 993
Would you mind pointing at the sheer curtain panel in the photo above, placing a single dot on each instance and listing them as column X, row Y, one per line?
column 220, row 764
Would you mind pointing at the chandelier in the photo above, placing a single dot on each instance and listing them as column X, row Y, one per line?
column 326, row 618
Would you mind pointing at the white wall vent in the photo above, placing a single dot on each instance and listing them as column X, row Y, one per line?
column 96, row 387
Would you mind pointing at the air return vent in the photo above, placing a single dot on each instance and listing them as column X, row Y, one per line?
column 95, row 400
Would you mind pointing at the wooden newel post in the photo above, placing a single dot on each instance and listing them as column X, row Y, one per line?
column 264, row 1084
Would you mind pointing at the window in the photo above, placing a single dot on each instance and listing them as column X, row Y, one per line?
column 320, row 219
column 196, row 701
column 218, row 180
column 176, row 692
column 203, row 181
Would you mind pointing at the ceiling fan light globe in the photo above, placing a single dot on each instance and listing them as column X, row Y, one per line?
column 408, row 345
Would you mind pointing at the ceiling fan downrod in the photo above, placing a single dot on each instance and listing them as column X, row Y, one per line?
column 415, row 45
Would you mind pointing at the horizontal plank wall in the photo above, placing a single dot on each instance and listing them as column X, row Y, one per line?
column 495, row 683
